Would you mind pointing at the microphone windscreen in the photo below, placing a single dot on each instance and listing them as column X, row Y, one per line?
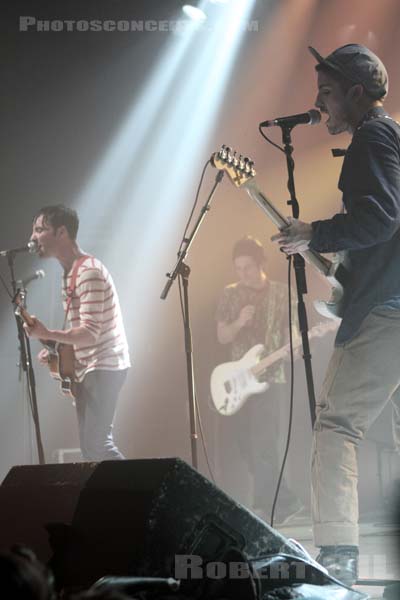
column 315, row 116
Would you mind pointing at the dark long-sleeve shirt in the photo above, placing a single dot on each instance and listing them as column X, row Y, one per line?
column 369, row 228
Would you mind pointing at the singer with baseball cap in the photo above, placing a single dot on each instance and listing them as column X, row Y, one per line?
column 363, row 373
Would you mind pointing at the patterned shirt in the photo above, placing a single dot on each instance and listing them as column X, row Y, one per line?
column 95, row 305
column 268, row 326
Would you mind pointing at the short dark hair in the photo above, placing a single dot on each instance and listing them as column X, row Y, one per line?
column 58, row 215
column 24, row 576
column 249, row 246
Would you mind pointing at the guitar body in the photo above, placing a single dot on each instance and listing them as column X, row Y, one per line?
column 337, row 276
column 61, row 363
column 233, row 382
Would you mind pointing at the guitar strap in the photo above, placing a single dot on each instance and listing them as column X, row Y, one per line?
column 72, row 286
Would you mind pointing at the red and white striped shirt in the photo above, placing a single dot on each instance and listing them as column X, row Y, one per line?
column 95, row 305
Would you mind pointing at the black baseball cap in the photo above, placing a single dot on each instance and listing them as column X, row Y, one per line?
column 360, row 65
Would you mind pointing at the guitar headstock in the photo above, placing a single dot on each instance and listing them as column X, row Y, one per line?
column 240, row 169
column 19, row 308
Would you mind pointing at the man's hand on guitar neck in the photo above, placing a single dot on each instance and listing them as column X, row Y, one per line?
column 295, row 237
column 36, row 329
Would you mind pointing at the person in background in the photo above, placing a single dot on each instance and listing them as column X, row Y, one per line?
column 251, row 311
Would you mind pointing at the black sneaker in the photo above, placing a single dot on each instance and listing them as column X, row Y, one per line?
column 341, row 562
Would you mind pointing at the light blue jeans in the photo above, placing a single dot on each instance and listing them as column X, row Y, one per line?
column 96, row 400
column 362, row 376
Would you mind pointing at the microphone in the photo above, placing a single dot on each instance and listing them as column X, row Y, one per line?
column 312, row 117
column 36, row 275
column 31, row 247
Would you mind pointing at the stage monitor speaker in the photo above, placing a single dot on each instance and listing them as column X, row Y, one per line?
column 138, row 516
column 32, row 496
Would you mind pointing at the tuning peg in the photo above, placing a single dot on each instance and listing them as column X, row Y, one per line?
column 228, row 154
column 235, row 160
column 223, row 153
column 250, row 166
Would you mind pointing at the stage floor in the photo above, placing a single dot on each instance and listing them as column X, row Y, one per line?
column 379, row 551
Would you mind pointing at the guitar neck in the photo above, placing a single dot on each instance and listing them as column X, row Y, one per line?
column 26, row 317
column 268, row 361
column 322, row 264
column 271, row 359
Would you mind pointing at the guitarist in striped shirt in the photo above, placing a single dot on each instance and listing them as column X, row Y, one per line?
column 93, row 327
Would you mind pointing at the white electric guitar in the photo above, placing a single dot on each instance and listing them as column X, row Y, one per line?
column 242, row 174
column 232, row 383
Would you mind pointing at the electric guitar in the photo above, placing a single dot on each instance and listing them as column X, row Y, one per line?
column 61, row 357
column 242, row 174
column 233, row 382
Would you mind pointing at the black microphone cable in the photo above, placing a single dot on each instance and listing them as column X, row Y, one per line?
column 291, row 401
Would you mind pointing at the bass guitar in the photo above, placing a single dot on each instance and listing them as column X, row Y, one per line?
column 242, row 174
column 61, row 357
column 232, row 383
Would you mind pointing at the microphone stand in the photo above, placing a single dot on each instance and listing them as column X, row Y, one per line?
column 183, row 270
column 299, row 269
column 26, row 360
